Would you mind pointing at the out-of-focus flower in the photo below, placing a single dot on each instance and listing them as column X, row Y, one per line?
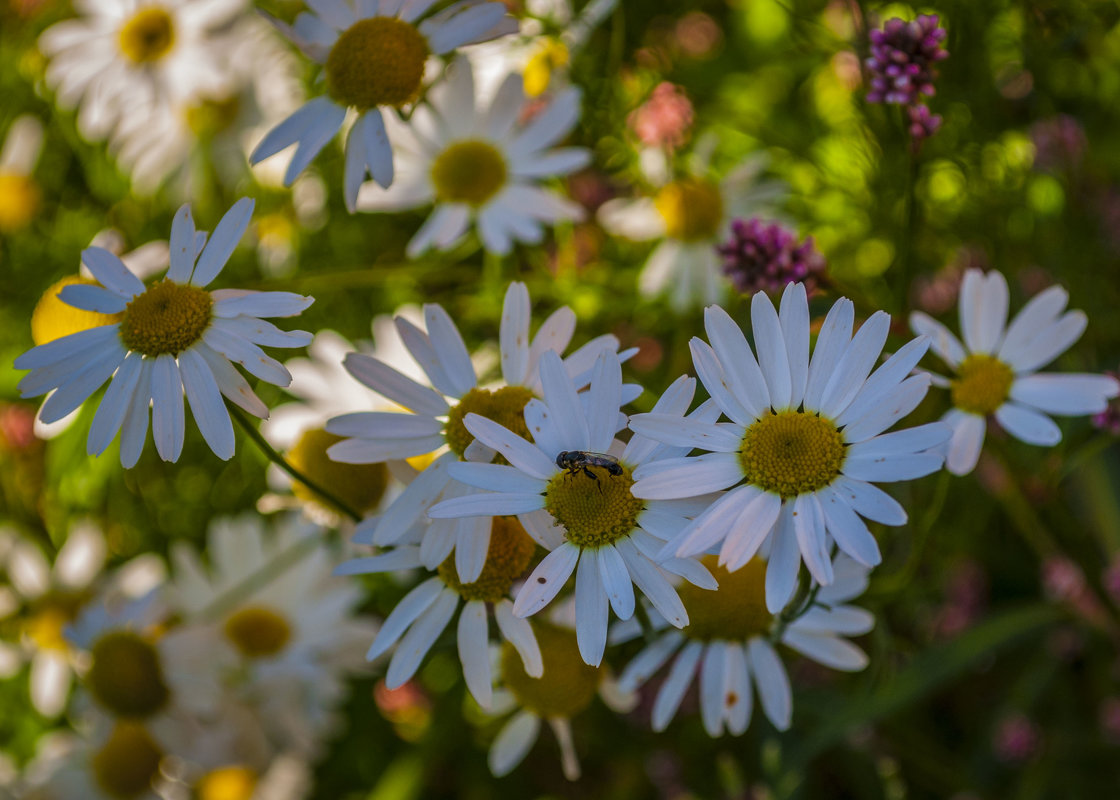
column 435, row 419
column 995, row 367
column 764, row 257
column 903, row 55
column 373, row 58
column 663, row 120
column 19, row 194
column 1109, row 419
column 173, row 337
column 966, row 589
column 480, row 166
column 566, row 687
column 923, row 124
column 689, row 216
column 1017, row 739
column 1059, row 143
column 698, row 35
column 1064, row 582
column 582, row 510
column 423, row 614
column 295, row 636
column 123, row 59
column 805, row 443
column 728, row 641
column 1110, row 719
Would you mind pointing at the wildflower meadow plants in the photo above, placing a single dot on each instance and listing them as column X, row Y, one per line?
column 687, row 399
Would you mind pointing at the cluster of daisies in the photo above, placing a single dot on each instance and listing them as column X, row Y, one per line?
column 222, row 679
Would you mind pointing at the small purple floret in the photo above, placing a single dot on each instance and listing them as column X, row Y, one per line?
column 764, row 256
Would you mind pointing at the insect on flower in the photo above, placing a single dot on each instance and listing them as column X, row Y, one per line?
column 582, row 460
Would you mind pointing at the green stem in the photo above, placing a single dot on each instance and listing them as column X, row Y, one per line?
column 269, row 571
column 270, row 453
column 906, row 257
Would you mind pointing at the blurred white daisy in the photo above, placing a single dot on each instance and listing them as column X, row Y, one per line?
column 192, row 140
column 19, row 193
column 374, row 56
column 131, row 57
column 478, row 164
column 435, row 420
column 45, row 598
column 688, row 217
column 422, row 615
column 806, row 439
column 565, row 688
column 995, row 367
column 584, row 509
column 173, row 337
column 292, row 627
column 730, row 642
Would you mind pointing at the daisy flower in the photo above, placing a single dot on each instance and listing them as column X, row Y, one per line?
column 294, row 636
column 423, row 614
column 19, row 193
column 804, row 442
column 132, row 57
column 481, row 166
column 374, row 56
column 564, row 688
column 591, row 522
column 53, row 595
column 689, row 216
column 996, row 367
column 173, row 337
column 435, row 422
column 730, row 642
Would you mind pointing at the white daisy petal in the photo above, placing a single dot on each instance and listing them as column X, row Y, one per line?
column 995, row 299
column 845, row 620
column 134, row 429
column 354, row 171
column 643, row 666
column 538, row 419
column 495, row 478
column 615, row 580
column 855, row 365
column 336, row 13
column 548, row 127
column 892, row 406
column 449, row 346
column 688, row 477
column 45, row 356
column 605, row 398
column 809, row 525
column 248, row 355
column 653, row 584
column 168, row 420
column 832, row 341
column 676, row 684
column 322, row 128
column 884, row 469
column 513, row 334
column 111, row 272
column 673, row 430
column 772, row 681
column 554, row 334
column 263, row 304
column 739, row 366
column 849, row 531
column 1068, row 394
column 473, row 641
column 885, row 379
column 947, row 346
column 909, row 440
column 966, row 442
column 413, row 502
column 542, row 529
column 785, row 559
column 740, row 698
column 80, row 384
column 513, row 742
column 210, row 412
column 831, row 651
column 415, row 644
column 385, row 380
column 972, row 308
column 869, row 501
column 712, row 687
column 472, row 543
column 181, row 246
column 560, row 396
column 390, row 561
column 1028, row 425
column 222, row 241
column 794, row 317
column 92, row 298
column 231, row 383
column 1050, row 342
column 114, row 405
column 487, row 504
column 516, row 450
column 519, row 633
column 1040, row 312
column 378, row 151
column 546, row 580
column 591, row 609
column 464, row 27
column 404, row 614
column 772, row 354
column 383, row 425
column 749, row 530
column 711, row 374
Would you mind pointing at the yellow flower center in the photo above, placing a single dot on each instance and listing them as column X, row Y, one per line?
column 167, row 318
column 692, row 209
column 549, row 57
column 227, row 783
column 126, row 676
column 360, row 486
column 567, row 685
column 50, row 617
column 506, row 406
column 52, row 319
column 736, row 611
column 377, row 62
column 791, row 453
column 594, row 511
column 982, row 384
column 257, row 631
column 147, row 36
column 19, row 200
column 510, row 551
column 128, row 761
column 210, row 116
column 468, row 172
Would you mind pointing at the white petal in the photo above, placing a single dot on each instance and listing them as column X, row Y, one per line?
column 81, row 384
column 772, row 354
column 772, row 681
column 546, row 580
column 538, row 420
column 942, row 341
column 849, row 531
column 712, row 686
column 168, row 421
column 114, row 405
column 740, row 698
column 517, row 451
column 828, row 650
column 688, row 477
column 884, row 380
column 472, row 543
column 513, row 335
column 1038, row 314
column 1028, row 425
column 134, row 429
column 385, row 380
column 1050, row 342
column 404, row 614
column 449, row 346
column 994, row 296
column 383, row 425
column 1068, row 394
column 181, row 246
column 971, row 307
column 230, row 382
column 794, row 316
column 749, row 530
column 643, row 666
column 398, row 558
column 735, row 357
column 967, row 440
column 683, row 432
column 785, row 559
column 321, row 130
column 247, row 354
column 832, row 341
column 605, row 398
column 519, row 633
column 615, row 580
column 474, row 651
column 653, row 584
column 908, row 440
column 50, row 682
column 487, row 504
column 710, row 372
column 513, row 742
column 676, row 684
column 555, row 334
column 855, row 365
column 371, row 451
column 884, row 469
column 591, row 609
column 415, row 644
column 92, row 298
column 869, row 501
column 111, row 272
column 414, row 501
column 263, row 304
column 210, row 412
column 222, row 242
column 560, row 396
column 808, row 524
column 419, row 346
column 892, row 406
column 495, row 478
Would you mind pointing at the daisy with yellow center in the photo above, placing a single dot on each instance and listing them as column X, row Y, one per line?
column 730, row 643
column 173, row 337
column 435, row 421
column 597, row 528
column 996, row 367
column 19, row 193
column 422, row 615
column 374, row 57
column 480, row 165
column 805, row 440
column 133, row 58
column 291, row 630
column 689, row 216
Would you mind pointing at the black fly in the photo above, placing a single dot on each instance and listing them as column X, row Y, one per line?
column 582, row 460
